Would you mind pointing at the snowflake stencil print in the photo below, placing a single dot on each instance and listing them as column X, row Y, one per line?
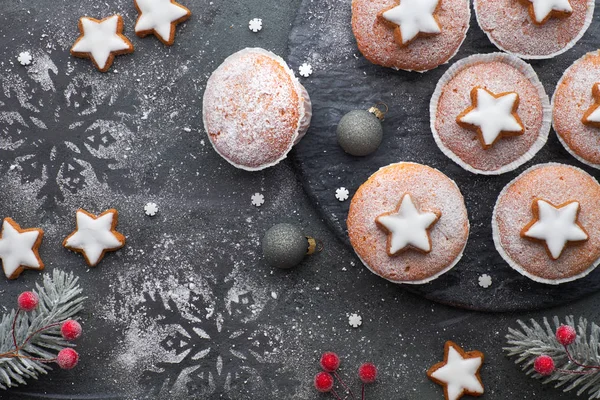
column 221, row 348
column 58, row 131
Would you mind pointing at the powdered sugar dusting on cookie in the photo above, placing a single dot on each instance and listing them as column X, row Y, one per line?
column 508, row 25
column 572, row 98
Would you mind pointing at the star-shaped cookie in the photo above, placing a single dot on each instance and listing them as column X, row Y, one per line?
column 412, row 18
column 101, row 41
column 458, row 373
column 95, row 235
column 407, row 227
column 492, row 116
column 19, row 248
column 160, row 18
column 592, row 115
column 541, row 11
column 556, row 226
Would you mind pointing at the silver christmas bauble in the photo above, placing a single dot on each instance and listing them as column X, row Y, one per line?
column 359, row 133
column 284, row 246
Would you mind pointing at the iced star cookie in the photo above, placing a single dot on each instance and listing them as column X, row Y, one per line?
column 95, row 235
column 19, row 248
column 490, row 113
column 412, row 35
column 458, row 374
column 254, row 109
column 101, row 41
column 159, row 18
column 576, row 115
column 408, row 223
column 546, row 223
column 534, row 29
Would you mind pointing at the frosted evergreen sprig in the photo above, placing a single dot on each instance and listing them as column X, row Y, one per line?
column 30, row 340
column 566, row 355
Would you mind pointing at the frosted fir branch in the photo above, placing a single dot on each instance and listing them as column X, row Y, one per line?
column 539, row 339
column 59, row 300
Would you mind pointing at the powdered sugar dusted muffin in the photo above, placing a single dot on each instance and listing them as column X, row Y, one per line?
column 546, row 223
column 412, row 35
column 408, row 223
column 534, row 29
column 490, row 113
column 254, row 109
column 576, row 113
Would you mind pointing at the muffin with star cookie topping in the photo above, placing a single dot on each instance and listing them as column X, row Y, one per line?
column 254, row 109
column 412, row 35
column 490, row 113
column 408, row 223
column 534, row 29
column 546, row 223
column 576, row 109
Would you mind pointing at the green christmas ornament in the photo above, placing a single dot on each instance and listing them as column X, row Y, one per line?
column 360, row 132
column 285, row 246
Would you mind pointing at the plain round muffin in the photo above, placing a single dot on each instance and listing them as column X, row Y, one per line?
column 254, row 109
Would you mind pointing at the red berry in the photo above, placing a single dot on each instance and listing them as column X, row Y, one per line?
column 70, row 329
column 544, row 365
column 67, row 358
column 330, row 361
column 323, row 382
column 367, row 373
column 566, row 335
column 28, row 301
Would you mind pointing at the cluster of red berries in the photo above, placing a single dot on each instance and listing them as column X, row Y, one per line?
column 544, row 364
column 324, row 380
column 70, row 329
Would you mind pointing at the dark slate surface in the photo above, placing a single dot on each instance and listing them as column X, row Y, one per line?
column 344, row 80
column 188, row 309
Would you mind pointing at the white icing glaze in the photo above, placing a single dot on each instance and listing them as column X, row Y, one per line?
column 595, row 115
column 408, row 227
column 93, row 236
column 414, row 17
column 556, row 226
column 159, row 15
column 493, row 115
column 459, row 374
column 542, row 8
column 16, row 249
column 99, row 39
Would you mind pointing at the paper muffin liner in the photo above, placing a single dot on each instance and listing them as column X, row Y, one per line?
column 589, row 16
column 560, row 139
column 305, row 108
column 440, row 273
column 529, row 73
column 513, row 264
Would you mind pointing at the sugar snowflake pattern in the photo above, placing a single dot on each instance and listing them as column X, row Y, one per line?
column 258, row 199
column 87, row 131
column 342, row 194
column 305, row 70
column 485, row 281
column 219, row 344
column 255, row 25
column 25, row 58
column 151, row 209
column 355, row 320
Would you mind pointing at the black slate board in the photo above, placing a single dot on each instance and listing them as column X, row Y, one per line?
column 343, row 80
